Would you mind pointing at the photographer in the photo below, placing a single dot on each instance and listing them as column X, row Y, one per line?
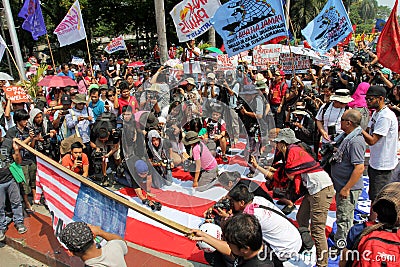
column 161, row 79
column 338, row 79
column 79, row 119
column 277, row 98
column 150, row 99
column 159, row 152
column 328, row 117
column 77, row 161
column 216, row 130
column 250, row 110
column 229, row 91
column 104, row 144
column 381, row 77
column 59, row 122
column 47, row 142
column 209, row 89
column 303, row 126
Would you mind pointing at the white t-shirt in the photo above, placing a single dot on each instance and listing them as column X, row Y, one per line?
column 190, row 65
column 384, row 152
column 331, row 117
column 316, row 181
column 277, row 231
column 112, row 255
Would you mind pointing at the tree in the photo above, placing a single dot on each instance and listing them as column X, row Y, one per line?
column 161, row 32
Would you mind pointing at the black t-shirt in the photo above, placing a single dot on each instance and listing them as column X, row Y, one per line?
column 6, row 153
column 27, row 157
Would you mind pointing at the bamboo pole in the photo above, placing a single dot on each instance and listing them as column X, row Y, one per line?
column 51, row 52
column 154, row 216
column 15, row 63
column 90, row 58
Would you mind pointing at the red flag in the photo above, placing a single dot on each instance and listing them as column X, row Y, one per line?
column 388, row 47
column 346, row 40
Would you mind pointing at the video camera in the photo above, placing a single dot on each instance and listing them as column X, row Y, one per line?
column 358, row 56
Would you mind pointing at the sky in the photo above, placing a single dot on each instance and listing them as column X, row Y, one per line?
column 389, row 3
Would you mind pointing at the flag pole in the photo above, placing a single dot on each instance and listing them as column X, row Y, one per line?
column 90, row 58
column 51, row 52
column 15, row 63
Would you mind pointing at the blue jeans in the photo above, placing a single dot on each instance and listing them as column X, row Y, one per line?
column 12, row 190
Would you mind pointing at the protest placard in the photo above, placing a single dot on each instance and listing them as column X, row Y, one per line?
column 16, row 94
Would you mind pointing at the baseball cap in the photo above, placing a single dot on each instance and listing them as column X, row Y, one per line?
column 77, row 236
column 211, row 76
column 376, row 90
column 66, row 99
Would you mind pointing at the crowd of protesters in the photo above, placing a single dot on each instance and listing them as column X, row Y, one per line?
column 134, row 125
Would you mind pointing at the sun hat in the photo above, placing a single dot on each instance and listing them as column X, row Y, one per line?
column 191, row 137
column 300, row 112
column 260, row 85
column 190, row 81
column 342, row 96
column 286, row 135
column 80, row 99
column 211, row 76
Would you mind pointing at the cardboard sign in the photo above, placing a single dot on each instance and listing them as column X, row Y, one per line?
column 16, row 94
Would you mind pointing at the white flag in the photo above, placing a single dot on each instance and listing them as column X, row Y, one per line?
column 116, row 44
column 193, row 19
column 3, row 46
column 71, row 29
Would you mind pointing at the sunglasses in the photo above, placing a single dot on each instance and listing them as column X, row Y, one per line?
column 109, row 95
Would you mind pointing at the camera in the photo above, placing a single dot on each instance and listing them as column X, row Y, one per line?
column 117, row 133
column 79, row 158
column 239, row 105
column 332, row 130
column 359, row 56
column 224, row 204
column 154, row 205
column 327, row 150
column 167, row 163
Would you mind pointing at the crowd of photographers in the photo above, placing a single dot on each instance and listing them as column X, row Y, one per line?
column 134, row 126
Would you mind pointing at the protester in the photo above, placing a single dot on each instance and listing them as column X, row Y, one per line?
column 77, row 161
column 79, row 237
column 382, row 137
column 347, row 170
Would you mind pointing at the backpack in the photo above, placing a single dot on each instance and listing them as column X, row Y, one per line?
column 379, row 248
column 106, row 120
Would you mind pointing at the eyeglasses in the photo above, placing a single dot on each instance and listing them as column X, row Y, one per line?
column 370, row 99
column 110, row 95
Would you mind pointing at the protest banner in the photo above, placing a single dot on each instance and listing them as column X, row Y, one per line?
column 226, row 63
column 192, row 17
column 116, row 44
column 301, row 63
column 246, row 23
column 330, row 27
column 71, row 29
column 264, row 54
column 77, row 61
column 16, row 94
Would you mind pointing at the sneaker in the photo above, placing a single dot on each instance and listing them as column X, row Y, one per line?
column 2, row 235
column 21, row 228
column 224, row 159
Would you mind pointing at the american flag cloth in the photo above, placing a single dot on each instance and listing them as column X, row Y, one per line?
column 70, row 200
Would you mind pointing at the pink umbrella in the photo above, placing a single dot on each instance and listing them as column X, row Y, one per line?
column 57, row 81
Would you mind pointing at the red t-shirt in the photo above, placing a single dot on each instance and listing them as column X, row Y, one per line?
column 132, row 102
column 276, row 94
column 103, row 80
column 68, row 162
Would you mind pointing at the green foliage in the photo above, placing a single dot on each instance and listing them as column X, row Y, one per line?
column 31, row 86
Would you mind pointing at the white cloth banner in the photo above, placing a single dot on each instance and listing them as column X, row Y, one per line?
column 192, row 18
column 77, row 61
column 71, row 29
